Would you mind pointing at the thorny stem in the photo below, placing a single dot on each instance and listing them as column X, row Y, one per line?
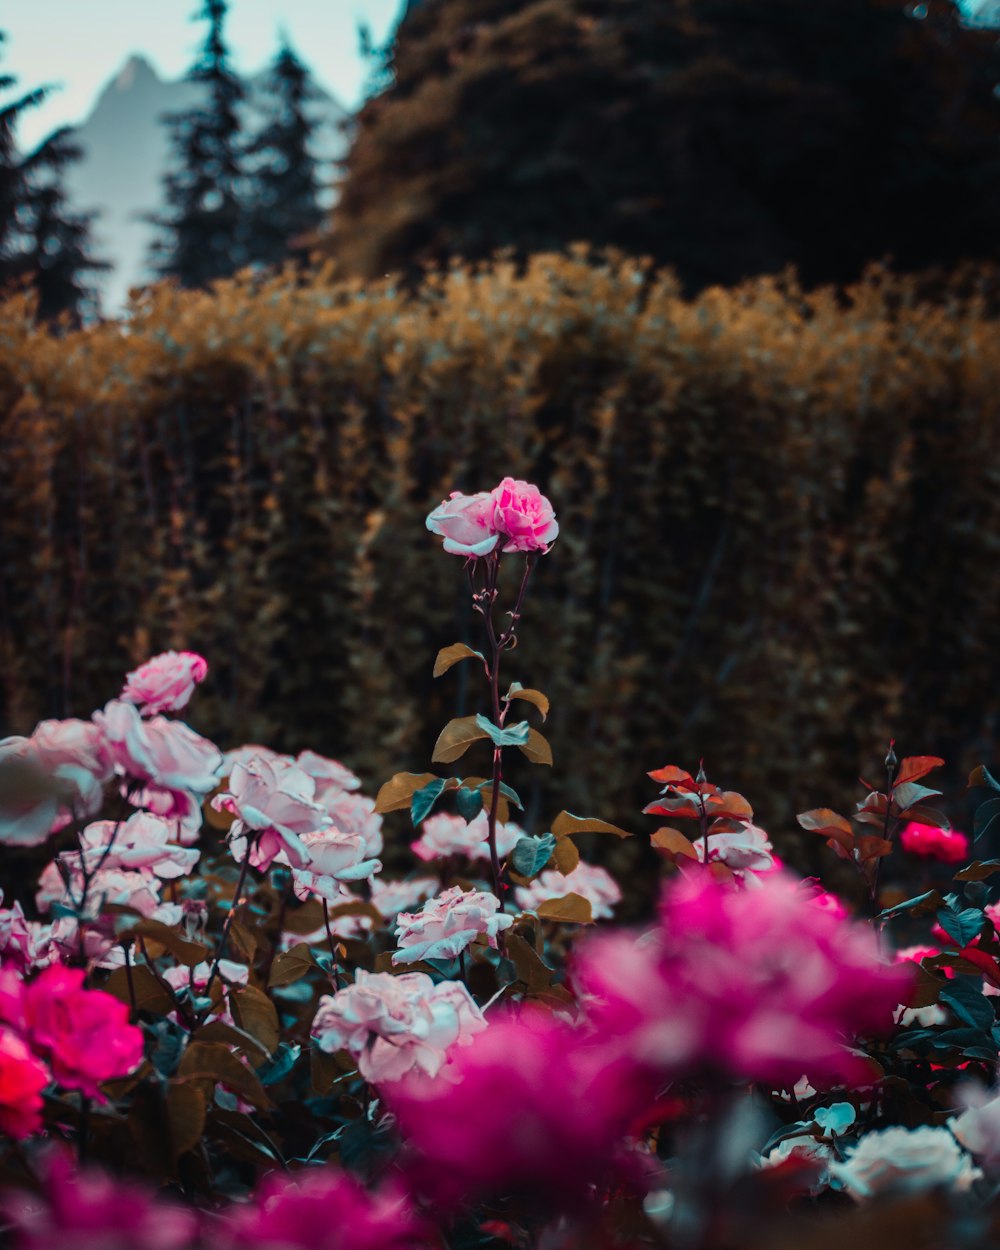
column 231, row 916
column 332, row 945
column 126, row 946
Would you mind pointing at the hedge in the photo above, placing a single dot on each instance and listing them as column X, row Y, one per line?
column 779, row 517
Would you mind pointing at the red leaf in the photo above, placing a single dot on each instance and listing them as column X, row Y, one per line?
column 915, row 766
column 986, row 964
column 670, row 775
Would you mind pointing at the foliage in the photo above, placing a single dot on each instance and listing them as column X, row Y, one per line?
column 725, row 139
column 779, row 509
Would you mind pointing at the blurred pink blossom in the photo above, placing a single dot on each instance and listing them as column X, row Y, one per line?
column 523, row 515
column 23, row 1076
column 465, row 522
column 590, row 881
column 396, row 1024
column 322, row 1209
column 947, row 845
column 447, row 924
column 331, row 777
column 759, row 984
column 165, row 683
column 392, row 897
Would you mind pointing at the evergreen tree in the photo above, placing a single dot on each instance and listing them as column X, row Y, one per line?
column 724, row 138
column 285, row 209
column 205, row 228
column 41, row 238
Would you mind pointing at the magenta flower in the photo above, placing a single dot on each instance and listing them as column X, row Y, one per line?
column 393, row 1025
column 446, row 925
column 92, row 1211
column 165, row 683
column 465, row 522
column 272, row 800
column 757, row 984
column 85, row 1034
column 323, row 1209
column 23, row 1076
column 529, row 1108
column 523, row 515
column 947, row 845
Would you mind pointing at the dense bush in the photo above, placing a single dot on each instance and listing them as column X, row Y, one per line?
column 780, row 515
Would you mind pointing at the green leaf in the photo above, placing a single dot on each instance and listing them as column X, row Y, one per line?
column 967, row 1001
column 919, row 906
column 909, row 794
column 469, row 803
column 986, row 814
column 447, row 657
column 456, row 738
column 962, row 926
column 530, row 855
column 982, row 776
column 510, row 736
column 423, row 800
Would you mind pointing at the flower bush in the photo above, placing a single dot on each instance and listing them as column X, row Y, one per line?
column 223, row 1022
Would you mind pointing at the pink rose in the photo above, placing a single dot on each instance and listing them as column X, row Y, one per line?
column 396, row 1024
column 443, row 834
column 465, row 522
column 22, row 1078
column 85, row 1034
column 76, row 754
column 446, row 925
column 331, row 776
column 165, row 683
column 56, row 774
column 333, row 857
column 142, row 841
column 273, row 799
column 591, row 882
column 523, row 515
column 355, row 813
column 322, row 1209
column 392, row 897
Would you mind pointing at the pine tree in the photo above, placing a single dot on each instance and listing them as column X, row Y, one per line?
column 204, row 233
column 41, row 238
column 285, row 186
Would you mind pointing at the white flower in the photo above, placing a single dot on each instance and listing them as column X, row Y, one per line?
column 446, row 925
column 901, row 1159
column 978, row 1127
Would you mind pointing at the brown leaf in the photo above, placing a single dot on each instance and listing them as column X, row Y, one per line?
column 305, row 919
column 186, row 1116
column 213, row 1061
column 535, row 697
column 149, row 993
column 254, row 1012
column 565, row 857
column 528, row 965
column 243, row 940
column 570, row 909
column 869, row 847
column 358, row 907
column 672, row 840
column 824, row 820
column 219, row 1031
column 183, row 950
column 325, row 1069
column 449, row 656
column 219, row 821
column 397, row 792
column 566, row 823
column 979, row 870
column 503, row 807
column 455, row 739
column 292, row 965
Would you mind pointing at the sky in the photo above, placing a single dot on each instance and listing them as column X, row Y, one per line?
column 80, row 44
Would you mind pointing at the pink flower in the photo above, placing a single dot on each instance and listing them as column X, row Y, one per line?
column 273, row 800
column 56, row 774
column 323, row 1209
column 331, row 777
column 465, row 522
column 947, row 845
column 523, row 515
column 165, row 683
column 759, row 984
column 392, row 897
column 746, row 848
column 529, row 1108
column 142, row 841
column 333, row 857
column 443, row 835
column 92, row 1211
column 446, row 925
column 17, row 940
column 138, row 889
column 396, row 1024
column 593, row 883
column 355, row 813
column 22, row 1078
column 85, row 1034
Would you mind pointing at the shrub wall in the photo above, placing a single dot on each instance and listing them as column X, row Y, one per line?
column 780, row 518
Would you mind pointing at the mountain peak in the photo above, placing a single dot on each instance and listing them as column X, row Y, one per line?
column 137, row 69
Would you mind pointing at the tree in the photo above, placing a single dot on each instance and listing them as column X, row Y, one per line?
column 725, row 138
column 204, row 232
column 41, row 238
column 285, row 210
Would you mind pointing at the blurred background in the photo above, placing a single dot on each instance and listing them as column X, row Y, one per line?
column 719, row 275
